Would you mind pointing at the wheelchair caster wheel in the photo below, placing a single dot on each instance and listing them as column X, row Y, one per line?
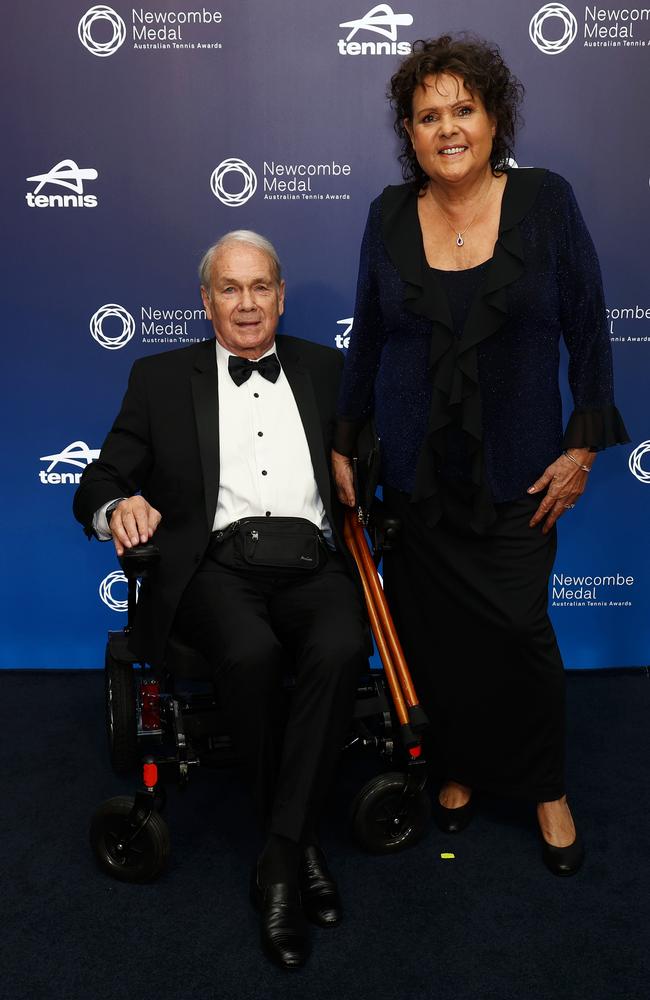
column 384, row 820
column 120, row 853
column 121, row 725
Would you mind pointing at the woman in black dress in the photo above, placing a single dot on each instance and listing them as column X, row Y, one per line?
column 470, row 274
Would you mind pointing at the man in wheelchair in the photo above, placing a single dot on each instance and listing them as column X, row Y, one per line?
column 221, row 450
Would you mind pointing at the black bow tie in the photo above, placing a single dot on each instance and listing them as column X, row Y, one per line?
column 241, row 369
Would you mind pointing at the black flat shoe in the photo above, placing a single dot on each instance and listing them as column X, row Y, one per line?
column 320, row 896
column 563, row 860
column 283, row 929
column 452, row 820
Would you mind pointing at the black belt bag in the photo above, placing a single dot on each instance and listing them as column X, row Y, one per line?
column 279, row 543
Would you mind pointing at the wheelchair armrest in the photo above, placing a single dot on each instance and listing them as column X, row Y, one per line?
column 140, row 560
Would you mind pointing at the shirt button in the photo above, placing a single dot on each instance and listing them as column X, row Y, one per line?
column 264, row 472
column 257, row 395
column 260, row 434
column 268, row 513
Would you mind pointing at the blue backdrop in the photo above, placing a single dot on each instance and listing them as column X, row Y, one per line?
column 135, row 136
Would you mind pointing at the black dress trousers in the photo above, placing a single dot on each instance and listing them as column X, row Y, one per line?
column 471, row 612
column 254, row 626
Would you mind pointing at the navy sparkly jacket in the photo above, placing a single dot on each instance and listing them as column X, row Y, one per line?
column 497, row 379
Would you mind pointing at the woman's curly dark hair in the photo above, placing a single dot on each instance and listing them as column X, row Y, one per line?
column 483, row 71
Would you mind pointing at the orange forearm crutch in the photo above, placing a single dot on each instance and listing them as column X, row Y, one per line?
column 409, row 712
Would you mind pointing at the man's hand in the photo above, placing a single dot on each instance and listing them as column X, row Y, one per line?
column 342, row 472
column 133, row 522
column 566, row 483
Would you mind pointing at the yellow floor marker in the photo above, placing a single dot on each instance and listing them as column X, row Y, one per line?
column 448, row 857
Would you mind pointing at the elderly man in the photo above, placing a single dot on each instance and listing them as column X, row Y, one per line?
column 208, row 437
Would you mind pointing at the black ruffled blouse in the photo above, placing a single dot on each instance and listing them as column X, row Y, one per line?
column 496, row 381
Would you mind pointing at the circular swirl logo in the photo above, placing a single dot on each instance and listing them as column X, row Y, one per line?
column 635, row 462
column 101, row 12
column 103, row 339
column 233, row 166
column 106, row 591
column 553, row 47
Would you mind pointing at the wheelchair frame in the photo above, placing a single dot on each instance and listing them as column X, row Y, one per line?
column 178, row 730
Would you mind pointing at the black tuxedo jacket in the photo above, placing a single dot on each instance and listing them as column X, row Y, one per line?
column 165, row 445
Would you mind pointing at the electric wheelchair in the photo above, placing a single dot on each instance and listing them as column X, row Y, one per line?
column 168, row 721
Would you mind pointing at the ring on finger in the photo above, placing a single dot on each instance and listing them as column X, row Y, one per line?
column 568, row 506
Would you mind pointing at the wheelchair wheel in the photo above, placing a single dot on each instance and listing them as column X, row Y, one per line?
column 147, row 854
column 384, row 820
column 121, row 725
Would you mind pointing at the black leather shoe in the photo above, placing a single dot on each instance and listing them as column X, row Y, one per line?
column 320, row 896
column 563, row 860
column 452, row 820
column 283, row 928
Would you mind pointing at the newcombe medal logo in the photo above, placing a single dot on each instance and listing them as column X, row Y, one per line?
column 234, row 182
column 112, row 341
column 553, row 28
column 95, row 24
column 106, row 588
column 643, row 475
column 240, row 175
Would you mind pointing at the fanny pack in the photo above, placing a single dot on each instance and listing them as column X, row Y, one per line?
column 281, row 543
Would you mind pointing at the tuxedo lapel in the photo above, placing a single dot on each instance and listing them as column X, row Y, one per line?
column 205, row 394
column 299, row 379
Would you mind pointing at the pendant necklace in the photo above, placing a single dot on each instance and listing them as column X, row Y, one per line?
column 459, row 234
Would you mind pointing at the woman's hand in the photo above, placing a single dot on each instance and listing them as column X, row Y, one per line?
column 566, row 483
column 342, row 472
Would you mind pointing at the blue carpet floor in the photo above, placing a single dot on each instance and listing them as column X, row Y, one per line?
column 492, row 924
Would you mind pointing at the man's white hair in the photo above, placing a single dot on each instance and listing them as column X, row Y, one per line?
column 239, row 236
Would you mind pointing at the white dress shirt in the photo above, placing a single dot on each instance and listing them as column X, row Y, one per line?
column 265, row 466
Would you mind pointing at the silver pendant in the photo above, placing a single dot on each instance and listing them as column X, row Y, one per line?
column 459, row 241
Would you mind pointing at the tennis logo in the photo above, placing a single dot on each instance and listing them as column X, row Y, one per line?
column 77, row 454
column 342, row 340
column 64, row 174
column 540, row 29
column 643, row 475
column 247, row 179
column 101, row 13
column 382, row 20
column 112, row 341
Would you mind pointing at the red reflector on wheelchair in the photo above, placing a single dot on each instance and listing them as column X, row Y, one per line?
column 150, row 775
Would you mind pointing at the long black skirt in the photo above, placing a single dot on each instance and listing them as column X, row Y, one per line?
column 471, row 613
